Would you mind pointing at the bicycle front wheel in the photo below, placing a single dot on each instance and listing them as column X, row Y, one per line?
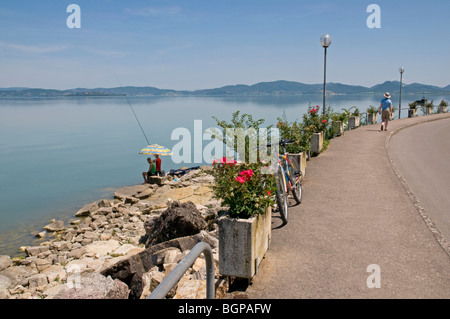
column 282, row 196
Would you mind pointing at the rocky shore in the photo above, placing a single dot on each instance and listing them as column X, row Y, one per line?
column 122, row 247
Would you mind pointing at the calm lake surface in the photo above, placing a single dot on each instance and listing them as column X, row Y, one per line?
column 57, row 154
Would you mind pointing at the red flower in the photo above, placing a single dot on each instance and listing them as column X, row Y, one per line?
column 248, row 173
column 268, row 193
column 240, row 179
column 227, row 161
column 324, row 121
column 244, row 176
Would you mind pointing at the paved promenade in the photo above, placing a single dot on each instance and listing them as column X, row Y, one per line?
column 357, row 211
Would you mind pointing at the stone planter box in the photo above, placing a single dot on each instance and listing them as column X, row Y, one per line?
column 299, row 161
column 412, row 113
column 243, row 244
column 372, row 118
column 316, row 143
column 429, row 110
column 442, row 109
column 340, row 127
column 354, row 122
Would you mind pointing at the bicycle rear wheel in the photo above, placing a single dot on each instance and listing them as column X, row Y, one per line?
column 296, row 186
column 282, row 196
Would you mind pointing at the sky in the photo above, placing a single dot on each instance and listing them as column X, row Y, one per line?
column 200, row 44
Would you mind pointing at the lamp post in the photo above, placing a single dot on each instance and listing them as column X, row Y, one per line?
column 401, row 70
column 325, row 41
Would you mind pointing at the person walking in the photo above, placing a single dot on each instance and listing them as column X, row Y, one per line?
column 386, row 111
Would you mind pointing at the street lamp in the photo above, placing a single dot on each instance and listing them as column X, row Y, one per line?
column 401, row 70
column 325, row 41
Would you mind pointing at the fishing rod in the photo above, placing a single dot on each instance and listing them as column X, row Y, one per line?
column 131, row 107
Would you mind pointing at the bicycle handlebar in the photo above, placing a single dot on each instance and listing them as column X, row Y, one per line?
column 283, row 142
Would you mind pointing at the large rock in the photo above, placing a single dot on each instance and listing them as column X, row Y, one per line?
column 160, row 198
column 179, row 220
column 36, row 250
column 18, row 275
column 39, row 280
column 5, row 262
column 191, row 289
column 55, row 226
column 87, row 210
column 158, row 180
column 130, row 191
column 5, row 282
column 130, row 272
column 132, row 269
column 96, row 286
column 102, row 248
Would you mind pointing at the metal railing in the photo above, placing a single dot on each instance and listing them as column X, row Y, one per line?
column 364, row 116
column 175, row 275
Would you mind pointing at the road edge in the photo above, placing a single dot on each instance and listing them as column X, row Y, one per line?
column 443, row 242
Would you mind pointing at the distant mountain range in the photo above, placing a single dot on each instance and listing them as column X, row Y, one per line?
column 263, row 88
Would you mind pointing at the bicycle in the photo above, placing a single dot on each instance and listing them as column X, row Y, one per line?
column 288, row 179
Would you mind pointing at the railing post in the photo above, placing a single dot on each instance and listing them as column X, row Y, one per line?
column 175, row 275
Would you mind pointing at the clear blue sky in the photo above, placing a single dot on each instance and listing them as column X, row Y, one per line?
column 196, row 44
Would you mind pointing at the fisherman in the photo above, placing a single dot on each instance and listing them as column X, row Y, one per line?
column 151, row 170
column 158, row 165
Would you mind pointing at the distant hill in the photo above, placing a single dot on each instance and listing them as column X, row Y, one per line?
column 263, row 88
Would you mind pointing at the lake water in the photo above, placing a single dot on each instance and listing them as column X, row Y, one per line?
column 58, row 154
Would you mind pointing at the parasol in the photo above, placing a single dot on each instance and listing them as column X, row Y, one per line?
column 156, row 149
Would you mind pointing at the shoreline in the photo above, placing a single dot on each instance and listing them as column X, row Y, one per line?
column 24, row 234
column 108, row 232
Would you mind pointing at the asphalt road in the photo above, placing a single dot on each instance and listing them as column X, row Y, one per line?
column 422, row 155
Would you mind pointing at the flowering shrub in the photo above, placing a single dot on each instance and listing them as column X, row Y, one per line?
column 313, row 122
column 242, row 187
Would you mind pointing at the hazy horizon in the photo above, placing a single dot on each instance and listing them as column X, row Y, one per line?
column 234, row 84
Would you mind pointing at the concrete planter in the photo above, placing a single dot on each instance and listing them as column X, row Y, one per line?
column 412, row 113
column 338, row 127
column 316, row 143
column 299, row 161
column 442, row 109
column 429, row 110
column 243, row 244
column 354, row 122
column 372, row 118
